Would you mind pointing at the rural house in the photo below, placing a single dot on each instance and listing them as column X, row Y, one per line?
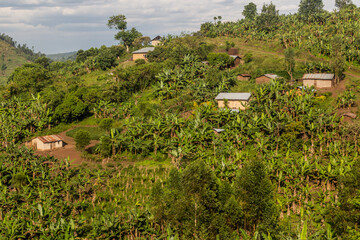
column 156, row 41
column 233, row 101
column 237, row 60
column 266, row 78
column 141, row 53
column 319, row 80
column 49, row 142
column 243, row 77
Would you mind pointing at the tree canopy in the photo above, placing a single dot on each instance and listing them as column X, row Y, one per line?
column 127, row 37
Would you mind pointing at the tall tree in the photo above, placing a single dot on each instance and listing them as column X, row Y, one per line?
column 127, row 37
column 250, row 11
column 290, row 61
column 310, row 7
column 337, row 57
column 269, row 18
column 257, row 196
column 341, row 4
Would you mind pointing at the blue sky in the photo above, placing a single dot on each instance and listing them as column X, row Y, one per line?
column 54, row 26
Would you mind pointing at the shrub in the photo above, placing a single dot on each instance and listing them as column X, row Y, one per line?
column 106, row 124
column 221, row 60
column 139, row 61
column 82, row 139
column 105, row 146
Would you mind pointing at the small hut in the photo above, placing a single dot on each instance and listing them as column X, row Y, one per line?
column 319, row 80
column 266, row 78
column 156, row 41
column 243, row 77
column 142, row 53
column 237, row 60
column 233, row 101
column 49, row 142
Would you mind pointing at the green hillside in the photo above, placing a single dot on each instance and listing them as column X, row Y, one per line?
column 9, row 60
column 150, row 153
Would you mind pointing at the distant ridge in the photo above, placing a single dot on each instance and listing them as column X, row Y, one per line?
column 62, row 57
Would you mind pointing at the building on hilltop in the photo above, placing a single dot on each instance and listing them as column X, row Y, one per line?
column 319, row 80
column 266, row 78
column 142, row 53
column 234, row 101
column 49, row 142
column 156, row 41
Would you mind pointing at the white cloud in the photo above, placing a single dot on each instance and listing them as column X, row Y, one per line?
column 64, row 25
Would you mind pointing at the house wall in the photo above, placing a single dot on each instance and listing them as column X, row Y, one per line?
column 237, row 62
column 318, row 83
column 155, row 42
column 139, row 56
column 233, row 104
column 241, row 78
column 262, row 79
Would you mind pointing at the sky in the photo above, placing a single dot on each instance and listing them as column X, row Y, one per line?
column 57, row 26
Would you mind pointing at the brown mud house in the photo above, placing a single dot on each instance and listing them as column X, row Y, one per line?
column 156, row 41
column 234, row 101
column 243, row 77
column 141, row 53
column 319, row 80
column 237, row 60
column 266, row 78
column 49, row 142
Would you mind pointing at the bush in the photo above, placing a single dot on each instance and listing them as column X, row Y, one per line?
column 82, row 139
column 139, row 61
column 221, row 60
column 106, row 124
column 105, row 146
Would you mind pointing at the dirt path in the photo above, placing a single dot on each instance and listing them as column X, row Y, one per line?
column 69, row 151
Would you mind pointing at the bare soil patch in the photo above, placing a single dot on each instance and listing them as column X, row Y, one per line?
column 69, row 151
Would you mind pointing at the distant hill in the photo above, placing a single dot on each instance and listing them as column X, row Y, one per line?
column 10, row 58
column 62, row 57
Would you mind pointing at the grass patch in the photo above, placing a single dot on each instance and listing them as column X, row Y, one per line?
column 149, row 163
column 95, row 132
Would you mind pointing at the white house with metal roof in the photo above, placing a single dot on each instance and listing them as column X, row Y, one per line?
column 142, row 53
column 233, row 101
column 319, row 80
column 49, row 142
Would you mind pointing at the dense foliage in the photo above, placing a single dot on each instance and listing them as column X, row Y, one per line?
column 285, row 168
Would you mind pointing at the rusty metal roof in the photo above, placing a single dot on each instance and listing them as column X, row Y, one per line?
column 50, row 138
column 319, row 76
column 234, row 96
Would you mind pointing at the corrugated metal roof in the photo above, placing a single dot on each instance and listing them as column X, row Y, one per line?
column 156, row 38
column 235, row 56
column 319, row 76
column 50, row 138
column 233, row 96
column 144, row 50
column 218, row 130
column 272, row 76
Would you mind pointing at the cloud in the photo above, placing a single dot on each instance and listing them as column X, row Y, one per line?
column 64, row 25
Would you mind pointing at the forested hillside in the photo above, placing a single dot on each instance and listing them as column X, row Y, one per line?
column 165, row 161
column 13, row 55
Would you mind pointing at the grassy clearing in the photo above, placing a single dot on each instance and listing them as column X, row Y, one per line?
column 95, row 132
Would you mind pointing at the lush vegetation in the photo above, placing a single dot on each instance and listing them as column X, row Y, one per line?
column 285, row 168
